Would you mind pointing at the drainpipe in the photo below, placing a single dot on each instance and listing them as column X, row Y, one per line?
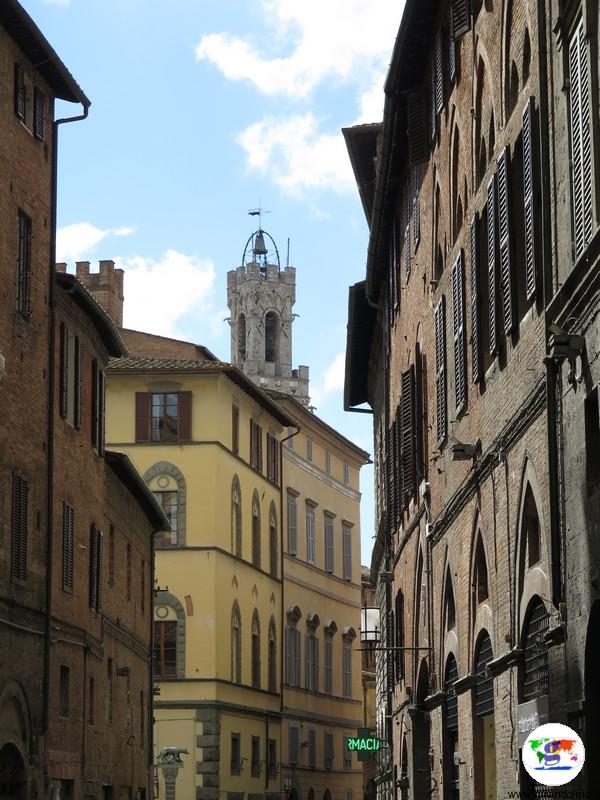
column 50, row 422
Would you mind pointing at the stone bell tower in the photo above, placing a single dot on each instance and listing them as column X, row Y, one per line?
column 261, row 296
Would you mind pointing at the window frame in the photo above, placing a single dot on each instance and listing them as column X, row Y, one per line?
column 23, row 264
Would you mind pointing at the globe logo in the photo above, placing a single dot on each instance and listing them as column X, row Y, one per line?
column 553, row 754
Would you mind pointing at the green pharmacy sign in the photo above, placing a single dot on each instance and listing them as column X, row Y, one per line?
column 365, row 744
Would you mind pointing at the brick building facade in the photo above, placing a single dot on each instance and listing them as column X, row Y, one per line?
column 464, row 341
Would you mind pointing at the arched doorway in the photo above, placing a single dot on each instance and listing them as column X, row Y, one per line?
column 13, row 774
column 484, row 728
column 326, row 795
column 422, row 737
column 592, row 697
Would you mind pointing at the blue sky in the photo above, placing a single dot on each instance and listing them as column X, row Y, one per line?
column 201, row 110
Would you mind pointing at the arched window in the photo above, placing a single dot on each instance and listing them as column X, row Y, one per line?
column 449, row 606
column 272, row 665
column 271, row 336
column 399, row 615
column 167, row 484
column 273, row 549
column 255, row 530
column 241, row 338
column 526, row 57
column 169, row 636
column 456, row 201
column 236, row 517
column 512, row 93
column 439, row 258
column 236, row 644
column 255, row 650
column 480, row 573
column 484, row 731
column 531, row 528
column 491, row 138
column 451, row 769
column 534, row 670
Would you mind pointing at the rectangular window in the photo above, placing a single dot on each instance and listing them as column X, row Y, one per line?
column 142, row 719
column 235, row 429
column 128, row 570
column 19, row 95
column 64, row 691
column 440, row 370
column 492, row 250
column 347, row 754
column 255, row 757
column 109, row 690
column 347, row 550
column 272, row 756
column 163, row 416
column 327, row 462
column 346, row 475
column 92, row 702
column 347, row 683
column 504, row 228
column 111, row 556
column 310, row 534
column 96, row 555
column 580, row 123
column 293, row 656
column 529, row 200
column 19, row 527
column 272, row 459
column 328, row 543
column 328, row 667
column 311, row 677
column 168, row 502
column 68, row 537
column 312, row 748
column 292, row 524
column 165, row 649
column 309, row 450
column 98, row 407
column 328, row 750
column 476, row 350
column 293, row 745
column 404, row 437
column 255, row 446
column 459, row 334
column 236, row 760
column 24, row 236
column 142, row 585
column 39, row 105
column 71, row 386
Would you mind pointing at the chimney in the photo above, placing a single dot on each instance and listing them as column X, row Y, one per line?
column 106, row 286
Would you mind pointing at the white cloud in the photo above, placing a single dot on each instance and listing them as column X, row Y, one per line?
column 74, row 241
column 337, row 39
column 296, row 155
column 334, row 375
column 160, row 293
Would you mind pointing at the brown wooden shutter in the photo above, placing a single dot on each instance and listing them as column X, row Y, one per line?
column 235, row 429
column 407, row 442
column 440, row 370
column 19, row 526
column 439, row 70
column 19, row 92
column 93, row 576
column 396, row 503
column 492, row 272
column 101, row 412
column 95, row 404
column 64, row 370
column 68, row 539
column 406, row 224
column 260, row 447
column 506, row 288
column 476, row 362
column 528, row 200
column 416, row 111
column 416, row 209
column 99, row 568
column 452, row 52
column 389, row 473
column 461, row 17
column 184, row 415
column 420, row 416
column 143, row 408
column 38, row 114
column 581, row 140
column 432, row 104
column 458, row 320
column 78, row 382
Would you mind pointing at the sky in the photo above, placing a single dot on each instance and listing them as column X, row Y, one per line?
column 202, row 110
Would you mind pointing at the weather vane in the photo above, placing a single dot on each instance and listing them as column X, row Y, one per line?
column 258, row 212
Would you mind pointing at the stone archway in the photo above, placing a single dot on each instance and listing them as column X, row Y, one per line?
column 13, row 774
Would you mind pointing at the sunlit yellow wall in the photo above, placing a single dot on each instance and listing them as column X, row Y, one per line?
column 204, row 575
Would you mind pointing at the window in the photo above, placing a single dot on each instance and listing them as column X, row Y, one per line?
column 273, row 548
column 256, row 530
column 255, row 650
column 310, row 534
column 163, row 417
column 311, row 654
column 20, row 97
column 534, row 670
column 111, row 556
column 236, row 761
column 290, row 439
column 98, row 406
column 272, row 758
column 328, row 750
column 440, row 370
column 236, row 517
column 39, row 105
column 327, row 462
column 403, row 442
column 109, row 690
column 347, row 656
column 168, row 501
column 460, row 333
column 236, row 644
column 581, row 140
column 235, row 429
column 165, row 649
column 481, row 575
column 529, row 200
column 346, row 475
column 399, row 635
column 255, row 446
column 128, row 569
column 68, row 536
column 142, row 586
column 292, row 524
column 328, row 670
column 504, row 243
column 309, row 450
column 292, row 656
column 71, row 383
column 271, row 337
column 328, row 543
column 24, row 236
column 92, row 702
column 272, row 657
column 241, row 338
column 255, row 757
column 64, row 691
column 347, row 754
column 96, row 553
column 293, row 745
column 272, row 458
column 347, row 551
column 491, row 264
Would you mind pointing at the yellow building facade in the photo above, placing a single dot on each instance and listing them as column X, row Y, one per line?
column 206, row 439
column 322, row 688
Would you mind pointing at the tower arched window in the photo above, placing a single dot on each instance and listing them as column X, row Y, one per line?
column 271, row 337
column 273, row 549
column 449, row 605
column 256, row 530
column 236, row 644
column 236, row 517
column 272, row 665
column 480, row 573
column 531, row 528
column 241, row 338
column 255, row 650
